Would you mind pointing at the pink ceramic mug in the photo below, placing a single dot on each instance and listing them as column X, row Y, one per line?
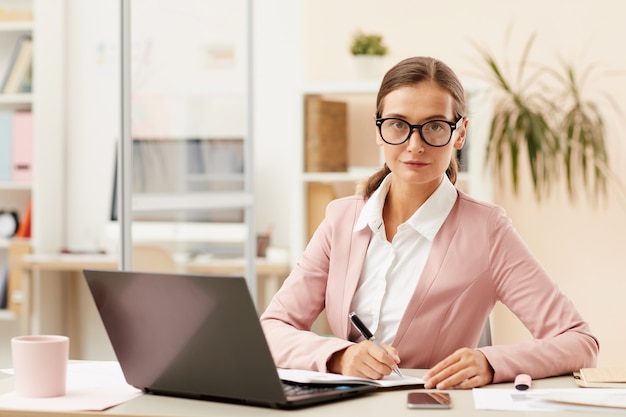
column 40, row 365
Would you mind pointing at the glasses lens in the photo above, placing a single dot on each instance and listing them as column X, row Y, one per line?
column 436, row 133
column 395, row 130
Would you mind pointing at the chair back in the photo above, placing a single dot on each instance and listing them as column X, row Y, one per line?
column 485, row 337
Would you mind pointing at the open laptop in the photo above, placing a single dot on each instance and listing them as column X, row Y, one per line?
column 198, row 337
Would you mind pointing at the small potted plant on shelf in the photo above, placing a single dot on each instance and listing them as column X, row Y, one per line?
column 368, row 51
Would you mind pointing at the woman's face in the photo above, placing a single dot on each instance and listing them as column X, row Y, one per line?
column 414, row 162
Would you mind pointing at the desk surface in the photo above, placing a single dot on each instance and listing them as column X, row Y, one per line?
column 377, row 404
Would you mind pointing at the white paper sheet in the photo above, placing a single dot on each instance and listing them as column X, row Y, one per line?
column 557, row 399
column 91, row 386
column 508, row 399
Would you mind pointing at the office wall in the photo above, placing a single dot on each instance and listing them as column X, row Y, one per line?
column 580, row 245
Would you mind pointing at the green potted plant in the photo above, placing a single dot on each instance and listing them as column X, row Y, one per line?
column 549, row 126
column 368, row 44
column 368, row 49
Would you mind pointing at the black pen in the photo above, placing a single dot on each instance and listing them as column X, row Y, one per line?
column 369, row 336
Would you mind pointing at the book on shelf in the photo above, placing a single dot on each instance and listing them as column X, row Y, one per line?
column 16, row 142
column 22, row 133
column 18, row 76
column 24, row 228
column 318, row 196
column 326, row 135
column 6, row 139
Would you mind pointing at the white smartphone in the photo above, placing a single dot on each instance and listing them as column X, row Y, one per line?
column 428, row 400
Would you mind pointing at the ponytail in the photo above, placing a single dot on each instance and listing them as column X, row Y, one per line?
column 453, row 169
column 374, row 181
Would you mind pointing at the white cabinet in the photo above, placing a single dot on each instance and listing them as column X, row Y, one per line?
column 316, row 189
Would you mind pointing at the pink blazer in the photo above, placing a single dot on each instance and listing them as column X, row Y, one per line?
column 477, row 258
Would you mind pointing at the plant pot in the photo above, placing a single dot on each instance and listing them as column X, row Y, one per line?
column 369, row 67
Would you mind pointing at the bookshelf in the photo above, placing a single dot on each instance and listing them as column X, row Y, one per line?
column 44, row 186
column 15, row 192
column 316, row 189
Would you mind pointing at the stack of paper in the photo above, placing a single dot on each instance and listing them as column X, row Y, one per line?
column 557, row 399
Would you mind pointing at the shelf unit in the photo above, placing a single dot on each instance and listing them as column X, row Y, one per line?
column 16, row 100
column 24, row 26
column 365, row 157
column 46, row 189
column 14, row 195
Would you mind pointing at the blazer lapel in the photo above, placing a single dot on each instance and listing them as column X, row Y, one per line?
column 360, row 243
column 432, row 268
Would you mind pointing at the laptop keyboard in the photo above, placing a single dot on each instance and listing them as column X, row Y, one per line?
column 293, row 389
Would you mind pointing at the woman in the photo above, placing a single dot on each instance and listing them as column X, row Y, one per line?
column 421, row 263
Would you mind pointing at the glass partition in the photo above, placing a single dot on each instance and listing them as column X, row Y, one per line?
column 190, row 132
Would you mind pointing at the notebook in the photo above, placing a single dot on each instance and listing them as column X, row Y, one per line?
column 605, row 377
column 197, row 337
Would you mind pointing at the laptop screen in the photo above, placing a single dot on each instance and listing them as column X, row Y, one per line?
column 186, row 335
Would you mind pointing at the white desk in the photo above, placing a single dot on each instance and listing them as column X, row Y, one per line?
column 377, row 404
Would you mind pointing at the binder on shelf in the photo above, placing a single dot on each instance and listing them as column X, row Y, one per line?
column 22, row 146
column 326, row 135
column 17, row 250
column 6, row 139
column 17, row 78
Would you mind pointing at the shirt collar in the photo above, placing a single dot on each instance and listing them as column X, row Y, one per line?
column 426, row 220
column 372, row 213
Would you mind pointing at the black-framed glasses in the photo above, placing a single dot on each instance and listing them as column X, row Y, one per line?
column 435, row 133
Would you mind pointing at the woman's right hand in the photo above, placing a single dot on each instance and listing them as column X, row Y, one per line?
column 365, row 360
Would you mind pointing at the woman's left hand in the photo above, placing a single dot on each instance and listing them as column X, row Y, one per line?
column 466, row 368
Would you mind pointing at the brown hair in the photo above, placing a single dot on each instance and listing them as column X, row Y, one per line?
column 411, row 71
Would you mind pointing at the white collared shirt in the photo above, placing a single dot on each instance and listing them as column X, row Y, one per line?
column 392, row 269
